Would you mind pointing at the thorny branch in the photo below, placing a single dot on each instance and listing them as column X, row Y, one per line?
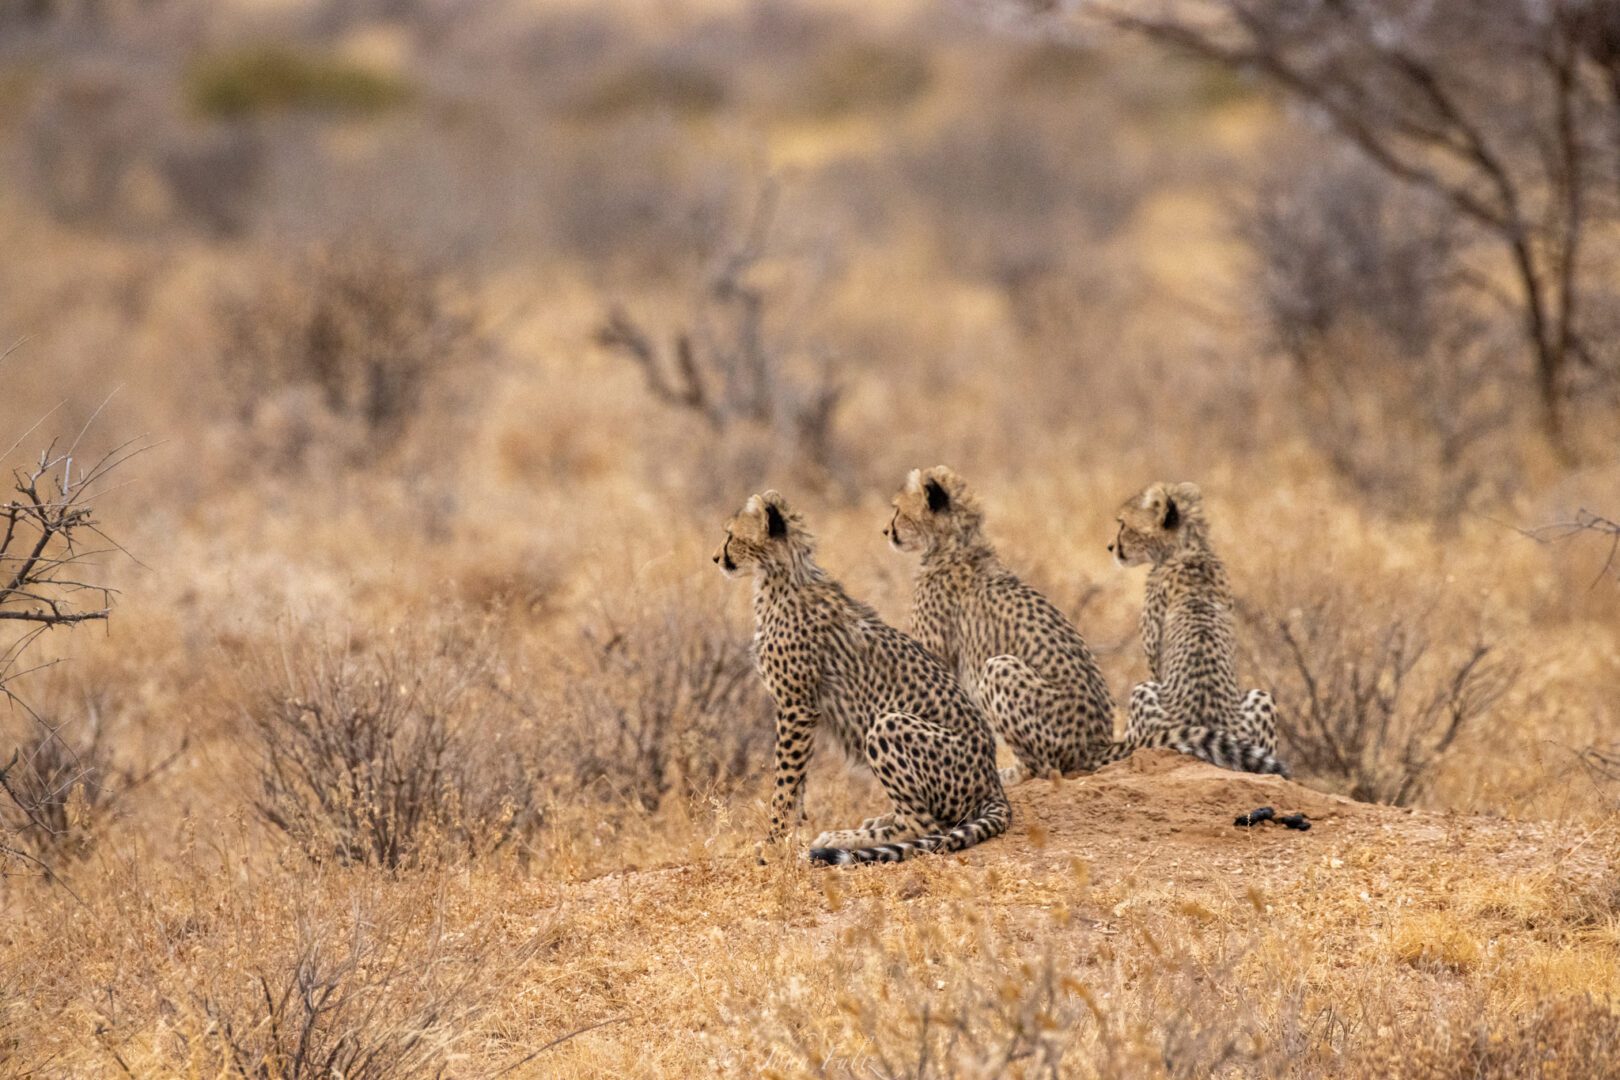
column 1585, row 521
column 43, row 531
column 48, row 535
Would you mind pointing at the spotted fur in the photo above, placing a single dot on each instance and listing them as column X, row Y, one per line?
column 1015, row 653
column 1187, row 624
column 827, row 658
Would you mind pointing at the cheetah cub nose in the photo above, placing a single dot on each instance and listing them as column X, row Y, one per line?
column 1110, row 547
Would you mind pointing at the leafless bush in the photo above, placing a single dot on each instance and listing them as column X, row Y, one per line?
column 344, row 346
column 1373, row 702
column 670, row 703
column 215, row 176
column 370, row 754
column 86, row 136
column 999, row 1009
column 629, row 204
column 1014, row 192
column 48, row 534
column 1407, row 388
column 370, row 1001
column 107, row 149
column 733, row 367
column 67, row 779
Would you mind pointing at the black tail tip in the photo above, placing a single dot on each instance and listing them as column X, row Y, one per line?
column 829, row 856
column 1262, row 762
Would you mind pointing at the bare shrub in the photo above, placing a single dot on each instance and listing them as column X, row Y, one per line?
column 67, row 777
column 48, row 538
column 656, row 84
column 1373, row 702
column 1012, row 192
column 995, row 1008
column 1408, row 389
column 859, row 77
column 46, row 534
column 734, row 366
column 670, row 703
column 632, row 202
column 107, row 149
column 344, row 346
column 367, row 994
column 370, row 753
column 86, row 137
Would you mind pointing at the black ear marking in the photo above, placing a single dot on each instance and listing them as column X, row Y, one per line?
column 1172, row 515
column 775, row 523
column 937, row 498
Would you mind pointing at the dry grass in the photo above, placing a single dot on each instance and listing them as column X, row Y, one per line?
column 414, row 492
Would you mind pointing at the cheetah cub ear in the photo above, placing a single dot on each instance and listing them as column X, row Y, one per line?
column 1180, row 500
column 775, row 523
column 938, row 498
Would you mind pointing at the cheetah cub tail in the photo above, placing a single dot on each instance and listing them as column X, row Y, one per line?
column 1220, row 748
column 1207, row 744
column 991, row 822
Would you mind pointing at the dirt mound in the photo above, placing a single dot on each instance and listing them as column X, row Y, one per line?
column 1114, row 879
column 1165, row 794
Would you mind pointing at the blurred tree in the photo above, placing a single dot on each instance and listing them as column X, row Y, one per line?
column 1507, row 112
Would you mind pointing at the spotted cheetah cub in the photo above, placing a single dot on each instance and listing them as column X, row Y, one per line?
column 1187, row 629
column 1014, row 652
column 828, row 658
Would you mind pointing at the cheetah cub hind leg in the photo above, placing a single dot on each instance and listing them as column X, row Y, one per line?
column 1145, row 713
column 1032, row 718
column 875, row 831
column 896, row 746
column 916, row 760
column 1257, row 720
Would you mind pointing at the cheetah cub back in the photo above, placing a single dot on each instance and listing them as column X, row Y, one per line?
column 827, row 658
column 1187, row 624
column 1017, row 654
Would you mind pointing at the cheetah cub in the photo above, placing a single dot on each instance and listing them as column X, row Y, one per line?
column 827, row 658
column 1187, row 626
column 1015, row 653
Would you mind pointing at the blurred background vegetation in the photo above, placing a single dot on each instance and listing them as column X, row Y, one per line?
column 460, row 328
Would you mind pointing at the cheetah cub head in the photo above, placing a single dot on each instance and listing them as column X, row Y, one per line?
column 766, row 533
column 934, row 510
column 1156, row 523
